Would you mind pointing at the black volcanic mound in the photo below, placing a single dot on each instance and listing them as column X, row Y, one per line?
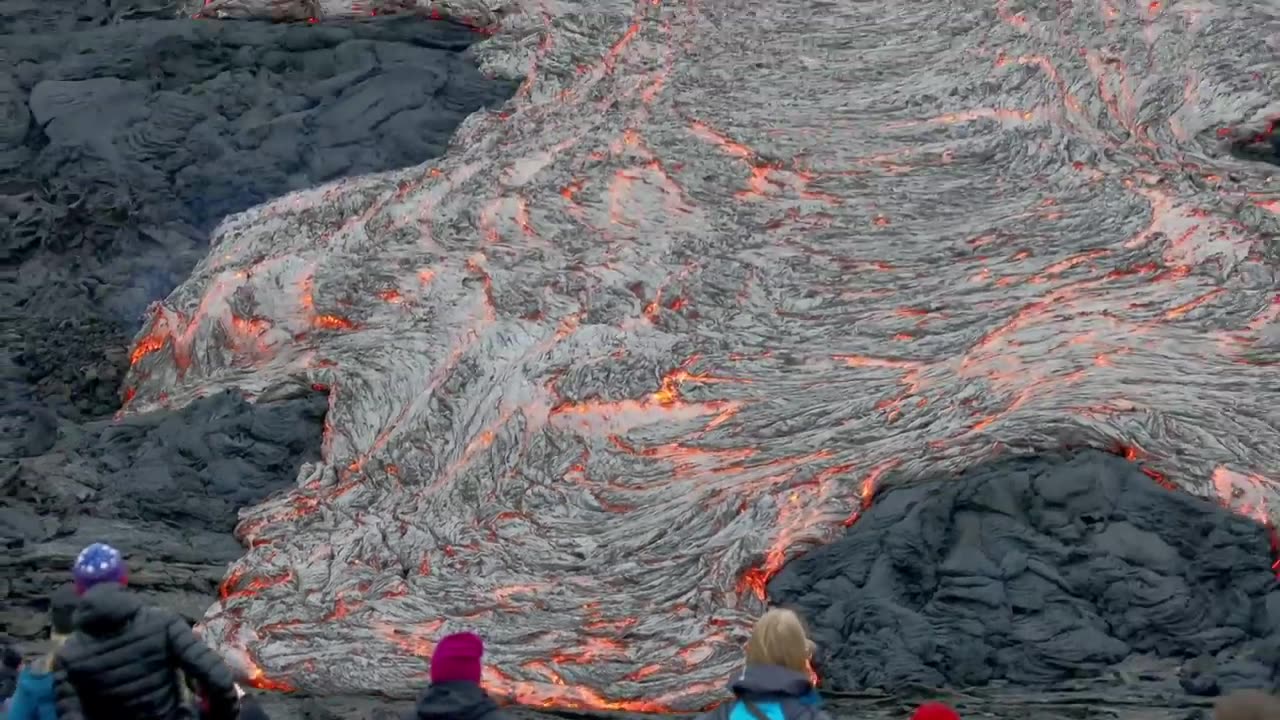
column 1037, row 571
column 125, row 139
column 1257, row 142
column 164, row 486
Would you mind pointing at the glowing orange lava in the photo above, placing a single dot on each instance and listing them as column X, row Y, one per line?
column 632, row 201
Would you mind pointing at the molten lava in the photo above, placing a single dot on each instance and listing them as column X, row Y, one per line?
column 663, row 324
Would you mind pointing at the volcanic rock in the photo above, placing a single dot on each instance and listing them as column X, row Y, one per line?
column 671, row 316
column 124, row 139
column 1035, row 572
column 164, row 488
column 712, row 275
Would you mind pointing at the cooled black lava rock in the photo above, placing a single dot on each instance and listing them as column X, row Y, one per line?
column 1258, row 141
column 1036, row 571
column 124, row 139
column 164, row 487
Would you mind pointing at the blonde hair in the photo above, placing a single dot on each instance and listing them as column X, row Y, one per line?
column 1247, row 705
column 779, row 639
column 56, row 641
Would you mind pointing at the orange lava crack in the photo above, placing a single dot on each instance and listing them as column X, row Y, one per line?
column 756, row 580
column 241, row 335
column 1242, row 493
column 766, row 176
column 666, row 398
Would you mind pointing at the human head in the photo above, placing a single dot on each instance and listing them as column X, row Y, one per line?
column 457, row 659
column 99, row 563
column 935, row 711
column 1247, row 705
column 779, row 639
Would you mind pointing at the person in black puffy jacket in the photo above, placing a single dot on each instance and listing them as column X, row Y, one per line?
column 124, row 659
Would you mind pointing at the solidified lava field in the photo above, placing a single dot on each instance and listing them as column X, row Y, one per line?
column 715, row 273
column 165, row 485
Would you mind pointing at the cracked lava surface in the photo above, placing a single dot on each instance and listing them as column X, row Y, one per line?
column 718, row 270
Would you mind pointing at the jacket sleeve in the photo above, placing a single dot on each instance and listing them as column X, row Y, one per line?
column 20, row 706
column 203, row 665
column 65, row 696
column 719, row 712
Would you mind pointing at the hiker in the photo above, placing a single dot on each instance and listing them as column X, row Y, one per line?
column 124, row 657
column 1247, row 705
column 10, row 663
column 34, row 699
column 455, row 692
column 935, row 711
column 774, row 684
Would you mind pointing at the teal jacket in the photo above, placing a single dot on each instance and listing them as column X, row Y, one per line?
column 774, row 693
column 34, row 698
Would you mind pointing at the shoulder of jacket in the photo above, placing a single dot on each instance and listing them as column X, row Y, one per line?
column 797, row 709
column 70, row 650
column 154, row 615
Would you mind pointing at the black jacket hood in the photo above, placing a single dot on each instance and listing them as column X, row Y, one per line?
column 455, row 701
column 105, row 609
column 770, row 681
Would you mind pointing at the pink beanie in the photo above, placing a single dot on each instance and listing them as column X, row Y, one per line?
column 935, row 711
column 457, row 659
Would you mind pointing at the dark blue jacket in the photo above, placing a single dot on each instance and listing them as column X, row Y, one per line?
column 455, row 701
column 777, row 693
column 34, row 699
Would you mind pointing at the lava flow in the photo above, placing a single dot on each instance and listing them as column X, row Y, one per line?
column 693, row 299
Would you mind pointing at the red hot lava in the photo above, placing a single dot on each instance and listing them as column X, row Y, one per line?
column 652, row 330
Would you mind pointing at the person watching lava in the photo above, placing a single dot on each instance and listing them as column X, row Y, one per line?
column 10, row 663
column 455, row 692
column 34, row 699
column 124, row 658
column 775, row 683
column 1247, row 705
